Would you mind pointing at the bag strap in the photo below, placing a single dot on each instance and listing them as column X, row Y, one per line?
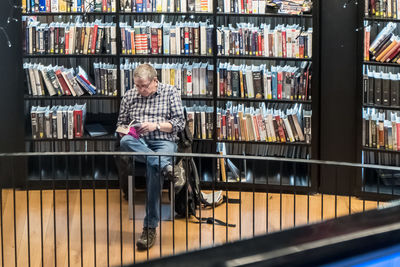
column 211, row 220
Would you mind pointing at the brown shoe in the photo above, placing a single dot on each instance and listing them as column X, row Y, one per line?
column 147, row 239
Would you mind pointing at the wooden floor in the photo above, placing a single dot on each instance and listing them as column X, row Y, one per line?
column 284, row 211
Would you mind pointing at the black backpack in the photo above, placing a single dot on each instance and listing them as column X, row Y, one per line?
column 190, row 196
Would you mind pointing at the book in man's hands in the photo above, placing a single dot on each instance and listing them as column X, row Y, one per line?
column 124, row 129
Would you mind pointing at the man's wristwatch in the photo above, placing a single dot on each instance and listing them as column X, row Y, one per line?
column 158, row 126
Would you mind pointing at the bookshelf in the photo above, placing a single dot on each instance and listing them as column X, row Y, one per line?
column 379, row 99
column 216, row 18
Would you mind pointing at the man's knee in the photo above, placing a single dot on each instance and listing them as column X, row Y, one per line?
column 124, row 143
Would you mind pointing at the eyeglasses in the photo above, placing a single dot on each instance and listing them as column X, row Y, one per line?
column 143, row 87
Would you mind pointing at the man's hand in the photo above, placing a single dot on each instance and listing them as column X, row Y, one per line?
column 146, row 127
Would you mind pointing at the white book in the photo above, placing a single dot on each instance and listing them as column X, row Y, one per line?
column 32, row 80
column 122, row 80
column 54, row 6
column 67, row 81
column 227, row 6
column 70, row 128
column 113, row 6
column 261, row 6
column 164, row 6
column 172, row 40
column 60, row 122
column 178, row 39
column 38, row 82
column 197, row 5
column 226, row 41
column 196, row 79
column 309, row 43
column 249, row 82
column 113, row 35
column 203, row 38
column 255, row 6
column 183, row 6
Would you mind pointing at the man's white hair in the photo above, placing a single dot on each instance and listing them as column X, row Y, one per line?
column 145, row 71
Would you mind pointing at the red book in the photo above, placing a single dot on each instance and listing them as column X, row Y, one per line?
column 282, row 136
column 223, row 127
column 154, row 41
column 221, row 84
column 78, row 123
column 104, row 6
column 66, row 41
column 279, row 87
column 62, row 82
column 284, row 51
column 260, row 46
column 94, row 38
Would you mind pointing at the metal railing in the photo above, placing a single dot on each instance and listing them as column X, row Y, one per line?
column 68, row 209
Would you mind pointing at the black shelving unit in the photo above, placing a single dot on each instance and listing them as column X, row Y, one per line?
column 214, row 58
column 370, row 183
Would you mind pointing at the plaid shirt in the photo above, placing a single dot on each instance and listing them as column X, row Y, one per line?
column 163, row 106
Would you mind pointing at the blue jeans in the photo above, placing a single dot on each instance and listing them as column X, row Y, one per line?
column 154, row 181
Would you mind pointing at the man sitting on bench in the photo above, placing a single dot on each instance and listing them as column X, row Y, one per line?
column 156, row 109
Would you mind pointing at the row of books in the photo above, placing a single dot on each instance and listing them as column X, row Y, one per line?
column 200, row 120
column 381, row 88
column 70, row 38
column 385, row 47
column 381, row 129
column 247, row 6
column 58, row 122
column 68, row 6
column 167, row 6
column 264, row 124
column 382, row 9
column 261, row 6
column 183, row 38
column 194, row 79
column 278, row 82
column 57, row 80
column 288, row 41
column 105, row 77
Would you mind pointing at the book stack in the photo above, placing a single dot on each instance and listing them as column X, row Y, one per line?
column 182, row 6
column 287, row 41
column 250, row 81
column 281, row 125
column 381, row 129
column 150, row 38
column 261, row 6
column 81, row 38
column 200, row 120
column 57, row 81
column 58, row 122
column 68, row 6
column 386, row 46
column 105, row 76
column 382, row 9
column 381, row 88
column 194, row 79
